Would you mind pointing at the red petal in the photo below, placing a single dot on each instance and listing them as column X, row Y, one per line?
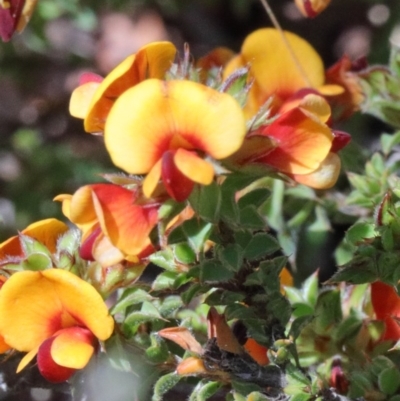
column 50, row 370
column 9, row 18
column 86, row 249
column 177, row 185
column 340, row 140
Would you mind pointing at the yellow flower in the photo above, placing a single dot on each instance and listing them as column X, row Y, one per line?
column 165, row 129
column 55, row 315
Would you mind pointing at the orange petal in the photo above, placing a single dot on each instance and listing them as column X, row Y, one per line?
column 194, row 167
column 191, row 366
column 81, row 98
column 273, row 67
column 171, row 115
column 4, row 347
column 286, row 278
column 151, row 61
column 385, row 300
column 302, row 142
column 257, row 352
column 48, row 301
column 81, row 207
column 325, row 176
column 183, row 337
column 73, row 347
column 126, row 224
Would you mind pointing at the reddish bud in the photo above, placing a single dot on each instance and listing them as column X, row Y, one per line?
column 338, row 379
column 340, row 140
column 86, row 249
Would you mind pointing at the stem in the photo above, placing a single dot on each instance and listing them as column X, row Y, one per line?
column 276, row 24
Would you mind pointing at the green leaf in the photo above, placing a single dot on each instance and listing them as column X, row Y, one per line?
column 192, row 291
column 249, row 217
column 389, row 380
column 69, row 242
column 214, row 270
column 360, row 270
column 170, row 306
column 164, row 281
column 244, row 388
column 361, row 231
column 170, row 209
column 224, row 297
column 310, row 289
column 164, row 384
column 206, row 201
column 347, row 329
column 328, row 312
column 256, row 198
column 29, row 245
column 164, row 259
column 197, row 233
column 260, row 245
column 389, row 141
column 231, row 256
column 158, row 350
column 184, row 253
column 298, row 325
column 131, row 296
column 37, row 261
column 204, row 390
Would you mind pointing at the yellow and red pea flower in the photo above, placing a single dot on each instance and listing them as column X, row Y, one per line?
column 58, row 317
column 275, row 72
column 14, row 15
column 93, row 99
column 114, row 224
column 166, row 129
column 311, row 8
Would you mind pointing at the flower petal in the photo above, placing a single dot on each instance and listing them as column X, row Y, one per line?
column 272, row 65
column 194, row 167
column 152, row 179
column 171, row 115
column 302, row 142
column 151, row 61
column 81, row 98
column 72, row 347
column 35, row 305
column 27, row 359
column 257, row 351
column 126, row 224
column 325, row 176
column 48, row 368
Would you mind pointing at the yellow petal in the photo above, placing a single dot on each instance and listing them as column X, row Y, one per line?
column 71, row 349
column 156, row 116
column 46, row 231
column 26, row 359
column 325, row 176
column 105, row 252
column 152, row 179
column 81, row 98
column 81, row 209
column 273, row 67
column 194, row 167
column 151, row 61
column 35, row 305
column 317, row 106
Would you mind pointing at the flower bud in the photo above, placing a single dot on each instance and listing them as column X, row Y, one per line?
column 311, row 8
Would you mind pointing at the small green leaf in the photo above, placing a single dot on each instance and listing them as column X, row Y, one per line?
column 260, row 245
column 29, row 245
column 163, row 385
column 299, row 324
column 158, row 350
column 256, row 198
column 192, row 291
column 204, row 390
column 328, row 312
column 389, row 380
column 131, row 296
column 37, row 261
column 214, row 270
column 206, row 201
column 197, row 233
column 170, row 306
column 232, row 256
column 249, row 217
column 184, row 253
column 310, row 289
column 164, row 281
column 361, row 231
column 164, row 259
column 224, row 297
column 347, row 329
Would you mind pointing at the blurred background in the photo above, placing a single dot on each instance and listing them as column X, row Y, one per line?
column 45, row 152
